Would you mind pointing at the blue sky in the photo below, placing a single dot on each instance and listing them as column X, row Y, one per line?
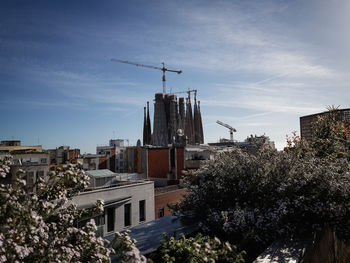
column 258, row 66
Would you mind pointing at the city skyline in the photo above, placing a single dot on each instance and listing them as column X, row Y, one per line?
column 257, row 66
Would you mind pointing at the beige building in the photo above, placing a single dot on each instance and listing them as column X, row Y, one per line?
column 32, row 159
column 35, row 164
column 9, row 146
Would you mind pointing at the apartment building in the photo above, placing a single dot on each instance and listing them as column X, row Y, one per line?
column 126, row 204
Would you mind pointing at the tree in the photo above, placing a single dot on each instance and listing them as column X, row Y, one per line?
column 39, row 225
column 331, row 138
column 197, row 249
column 257, row 141
column 251, row 200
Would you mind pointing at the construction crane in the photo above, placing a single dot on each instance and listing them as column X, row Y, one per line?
column 188, row 92
column 164, row 69
column 232, row 130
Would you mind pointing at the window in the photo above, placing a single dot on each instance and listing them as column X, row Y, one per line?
column 40, row 174
column 142, row 210
column 121, row 156
column 161, row 212
column 30, row 179
column 127, row 214
column 15, row 161
column 43, row 160
column 34, row 160
column 110, row 219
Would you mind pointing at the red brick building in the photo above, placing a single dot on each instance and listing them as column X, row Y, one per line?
column 164, row 196
column 164, row 163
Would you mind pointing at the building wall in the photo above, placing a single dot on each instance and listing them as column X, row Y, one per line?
column 73, row 154
column 21, row 148
column 90, row 162
column 134, row 162
column 137, row 192
column 63, row 154
column 158, row 163
column 108, row 157
column 161, row 200
column 34, row 164
column 180, row 162
column 103, row 162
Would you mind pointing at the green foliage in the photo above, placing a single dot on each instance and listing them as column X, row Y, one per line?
column 331, row 138
column 196, row 249
column 257, row 141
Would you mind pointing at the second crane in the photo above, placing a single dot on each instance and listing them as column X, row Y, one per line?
column 232, row 130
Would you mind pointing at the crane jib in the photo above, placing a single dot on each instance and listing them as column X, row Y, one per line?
column 164, row 69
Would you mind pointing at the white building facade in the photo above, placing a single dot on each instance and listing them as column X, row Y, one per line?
column 126, row 205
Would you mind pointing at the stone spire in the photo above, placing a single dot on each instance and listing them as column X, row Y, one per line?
column 149, row 130
column 200, row 124
column 145, row 130
column 160, row 129
column 189, row 131
column 196, row 122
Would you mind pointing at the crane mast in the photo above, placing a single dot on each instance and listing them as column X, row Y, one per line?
column 232, row 130
column 164, row 69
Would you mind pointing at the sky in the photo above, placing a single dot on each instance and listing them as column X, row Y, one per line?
column 257, row 65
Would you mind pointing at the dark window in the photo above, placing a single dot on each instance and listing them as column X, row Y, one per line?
column 172, row 157
column 43, row 160
column 127, row 214
column 160, row 212
column 110, row 219
column 40, row 174
column 142, row 210
column 30, row 179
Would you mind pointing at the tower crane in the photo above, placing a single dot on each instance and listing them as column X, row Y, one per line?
column 187, row 91
column 232, row 130
column 164, row 69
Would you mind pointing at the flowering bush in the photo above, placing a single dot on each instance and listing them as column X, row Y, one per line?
column 38, row 225
column 196, row 249
column 126, row 249
column 257, row 198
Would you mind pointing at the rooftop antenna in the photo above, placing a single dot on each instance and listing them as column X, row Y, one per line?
column 164, row 69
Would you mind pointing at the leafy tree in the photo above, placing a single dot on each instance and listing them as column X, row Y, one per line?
column 39, row 225
column 257, row 141
column 331, row 138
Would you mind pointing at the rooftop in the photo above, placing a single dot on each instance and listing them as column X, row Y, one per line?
column 100, row 173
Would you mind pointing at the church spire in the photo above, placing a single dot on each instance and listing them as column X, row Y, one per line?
column 149, row 132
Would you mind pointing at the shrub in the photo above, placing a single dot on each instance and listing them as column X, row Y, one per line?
column 38, row 224
column 196, row 249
